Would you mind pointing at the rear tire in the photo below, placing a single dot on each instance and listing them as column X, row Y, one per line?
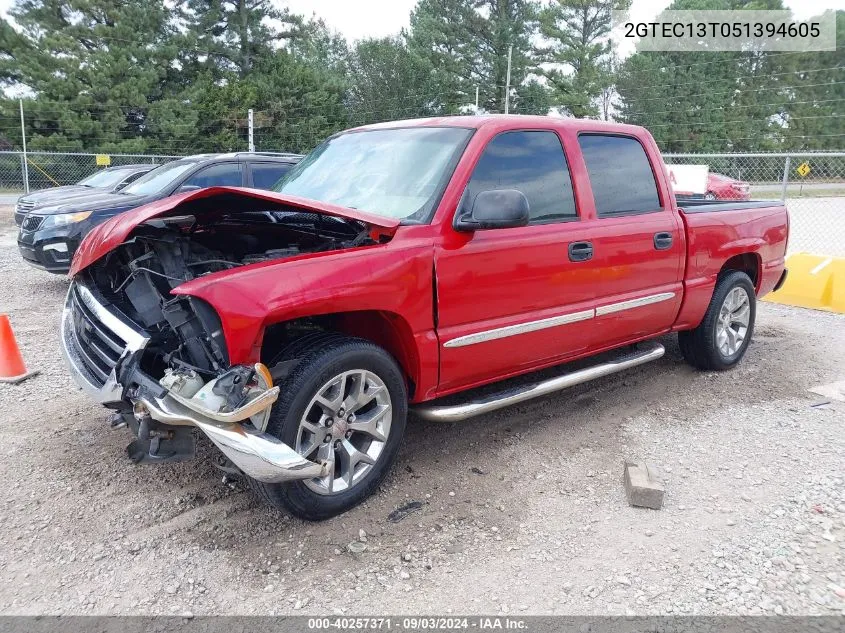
column 722, row 338
column 338, row 371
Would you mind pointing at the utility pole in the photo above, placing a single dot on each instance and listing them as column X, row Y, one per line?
column 251, row 140
column 476, row 99
column 23, row 158
column 508, row 81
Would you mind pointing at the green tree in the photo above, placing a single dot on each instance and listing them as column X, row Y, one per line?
column 708, row 101
column 386, row 81
column 533, row 98
column 233, row 35
column 466, row 44
column 812, row 113
column 320, row 47
column 94, row 67
column 578, row 50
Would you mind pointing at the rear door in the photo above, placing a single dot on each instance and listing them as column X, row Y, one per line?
column 512, row 299
column 638, row 242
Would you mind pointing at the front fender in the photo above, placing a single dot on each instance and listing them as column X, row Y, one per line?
column 392, row 277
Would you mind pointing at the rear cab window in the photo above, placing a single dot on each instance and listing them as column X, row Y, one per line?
column 621, row 175
column 532, row 162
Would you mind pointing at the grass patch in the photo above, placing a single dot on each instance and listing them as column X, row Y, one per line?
column 811, row 192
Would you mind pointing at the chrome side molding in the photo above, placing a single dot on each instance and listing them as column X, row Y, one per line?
column 556, row 321
column 634, row 303
column 455, row 413
column 520, row 328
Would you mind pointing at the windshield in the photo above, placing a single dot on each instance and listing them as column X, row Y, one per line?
column 105, row 179
column 159, row 178
column 396, row 173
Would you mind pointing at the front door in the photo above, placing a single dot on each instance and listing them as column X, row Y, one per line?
column 514, row 299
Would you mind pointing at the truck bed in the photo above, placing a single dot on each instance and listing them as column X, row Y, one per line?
column 752, row 234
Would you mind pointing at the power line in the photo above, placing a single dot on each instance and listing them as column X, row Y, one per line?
column 785, row 129
column 740, row 107
column 756, row 76
column 735, row 91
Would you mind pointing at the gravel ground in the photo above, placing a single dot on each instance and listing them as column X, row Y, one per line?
column 522, row 511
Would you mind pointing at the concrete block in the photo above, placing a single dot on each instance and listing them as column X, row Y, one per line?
column 642, row 485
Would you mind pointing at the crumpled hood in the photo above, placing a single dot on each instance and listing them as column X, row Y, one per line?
column 107, row 236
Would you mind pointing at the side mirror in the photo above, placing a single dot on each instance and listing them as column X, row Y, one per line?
column 496, row 209
column 185, row 188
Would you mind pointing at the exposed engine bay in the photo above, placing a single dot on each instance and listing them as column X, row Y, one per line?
column 166, row 252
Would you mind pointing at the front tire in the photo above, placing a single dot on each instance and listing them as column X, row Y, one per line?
column 722, row 338
column 344, row 402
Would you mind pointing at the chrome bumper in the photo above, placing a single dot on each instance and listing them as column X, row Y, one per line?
column 259, row 455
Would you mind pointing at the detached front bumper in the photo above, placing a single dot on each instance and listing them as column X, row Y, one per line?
column 98, row 342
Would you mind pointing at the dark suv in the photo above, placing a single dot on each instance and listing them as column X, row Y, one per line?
column 109, row 179
column 50, row 235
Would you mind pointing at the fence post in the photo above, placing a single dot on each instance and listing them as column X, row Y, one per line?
column 785, row 180
column 508, row 81
column 23, row 156
column 249, row 119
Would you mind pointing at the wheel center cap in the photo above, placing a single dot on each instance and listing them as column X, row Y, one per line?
column 339, row 428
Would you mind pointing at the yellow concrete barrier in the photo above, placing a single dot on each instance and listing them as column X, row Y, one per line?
column 814, row 281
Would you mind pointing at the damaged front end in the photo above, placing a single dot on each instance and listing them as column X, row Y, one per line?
column 160, row 359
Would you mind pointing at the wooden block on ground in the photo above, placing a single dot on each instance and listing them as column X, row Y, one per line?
column 642, row 485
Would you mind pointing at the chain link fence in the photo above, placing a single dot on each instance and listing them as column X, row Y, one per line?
column 812, row 184
column 50, row 169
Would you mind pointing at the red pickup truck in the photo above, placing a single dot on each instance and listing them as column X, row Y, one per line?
column 397, row 264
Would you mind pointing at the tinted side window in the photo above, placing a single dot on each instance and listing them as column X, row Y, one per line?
column 532, row 162
column 131, row 178
column 265, row 175
column 134, row 177
column 620, row 175
column 223, row 174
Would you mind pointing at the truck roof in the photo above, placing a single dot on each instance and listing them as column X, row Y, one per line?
column 508, row 121
column 281, row 156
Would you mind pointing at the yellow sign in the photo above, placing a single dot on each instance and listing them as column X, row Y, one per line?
column 803, row 169
column 103, row 160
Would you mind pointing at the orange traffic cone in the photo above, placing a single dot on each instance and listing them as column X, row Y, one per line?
column 12, row 368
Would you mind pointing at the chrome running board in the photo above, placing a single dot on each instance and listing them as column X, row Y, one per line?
column 515, row 395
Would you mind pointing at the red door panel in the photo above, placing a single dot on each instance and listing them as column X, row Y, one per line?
column 640, row 290
column 515, row 292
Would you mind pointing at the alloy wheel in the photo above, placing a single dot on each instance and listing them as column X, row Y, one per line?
column 346, row 425
column 732, row 324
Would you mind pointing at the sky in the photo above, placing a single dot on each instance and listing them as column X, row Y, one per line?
column 357, row 19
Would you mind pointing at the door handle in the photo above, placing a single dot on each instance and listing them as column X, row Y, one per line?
column 662, row 241
column 580, row 251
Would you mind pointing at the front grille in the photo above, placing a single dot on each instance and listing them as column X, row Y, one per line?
column 19, row 217
column 32, row 222
column 99, row 348
column 25, row 205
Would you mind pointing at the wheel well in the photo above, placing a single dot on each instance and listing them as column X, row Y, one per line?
column 386, row 329
column 749, row 263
